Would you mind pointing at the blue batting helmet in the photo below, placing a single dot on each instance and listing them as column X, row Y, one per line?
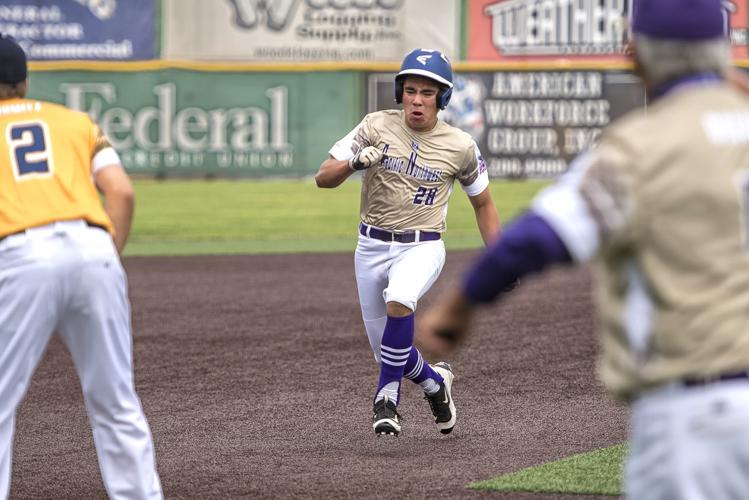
column 431, row 64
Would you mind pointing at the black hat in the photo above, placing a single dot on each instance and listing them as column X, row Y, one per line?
column 12, row 61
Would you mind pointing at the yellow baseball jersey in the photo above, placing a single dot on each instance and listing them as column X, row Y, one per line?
column 46, row 154
column 662, row 206
column 410, row 188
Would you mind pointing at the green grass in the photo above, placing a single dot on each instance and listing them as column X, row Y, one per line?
column 213, row 217
column 596, row 473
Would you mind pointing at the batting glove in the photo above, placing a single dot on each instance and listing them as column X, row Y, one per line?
column 365, row 158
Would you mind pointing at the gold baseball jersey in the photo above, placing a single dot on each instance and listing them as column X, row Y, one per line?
column 46, row 153
column 410, row 188
column 662, row 205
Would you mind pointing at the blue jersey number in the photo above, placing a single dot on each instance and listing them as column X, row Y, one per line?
column 29, row 148
column 425, row 196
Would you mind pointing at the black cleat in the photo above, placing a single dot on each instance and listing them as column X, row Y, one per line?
column 386, row 420
column 443, row 407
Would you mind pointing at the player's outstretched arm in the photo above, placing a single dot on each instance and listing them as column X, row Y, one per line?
column 738, row 78
column 332, row 173
column 119, row 200
column 529, row 245
column 487, row 218
column 443, row 327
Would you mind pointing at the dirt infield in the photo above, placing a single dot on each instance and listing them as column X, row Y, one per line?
column 257, row 378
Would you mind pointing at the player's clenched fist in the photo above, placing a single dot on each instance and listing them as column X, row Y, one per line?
column 365, row 158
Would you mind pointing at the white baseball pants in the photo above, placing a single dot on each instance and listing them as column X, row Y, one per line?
column 690, row 443
column 393, row 272
column 67, row 277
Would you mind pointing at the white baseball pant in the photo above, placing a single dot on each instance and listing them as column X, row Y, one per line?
column 690, row 443
column 393, row 272
column 67, row 277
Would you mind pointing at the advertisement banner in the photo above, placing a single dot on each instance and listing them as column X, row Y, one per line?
column 739, row 27
column 530, row 123
column 500, row 29
column 173, row 122
column 512, row 29
column 81, row 29
column 308, row 30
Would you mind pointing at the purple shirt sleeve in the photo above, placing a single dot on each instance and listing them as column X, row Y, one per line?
column 528, row 246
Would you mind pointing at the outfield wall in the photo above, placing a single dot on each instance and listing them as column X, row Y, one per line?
column 240, row 88
column 250, row 121
column 174, row 122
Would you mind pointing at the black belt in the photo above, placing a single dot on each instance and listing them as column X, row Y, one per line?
column 697, row 382
column 89, row 224
column 405, row 237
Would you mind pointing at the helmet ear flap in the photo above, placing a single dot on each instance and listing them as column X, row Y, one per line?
column 443, row 97
column 399, row 89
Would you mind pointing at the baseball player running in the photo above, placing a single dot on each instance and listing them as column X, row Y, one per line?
column 409, row 159
column 662, row 207
column 60, row 271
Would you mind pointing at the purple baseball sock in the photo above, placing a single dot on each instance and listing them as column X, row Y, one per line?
column 394, row 353
column 417, row 370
